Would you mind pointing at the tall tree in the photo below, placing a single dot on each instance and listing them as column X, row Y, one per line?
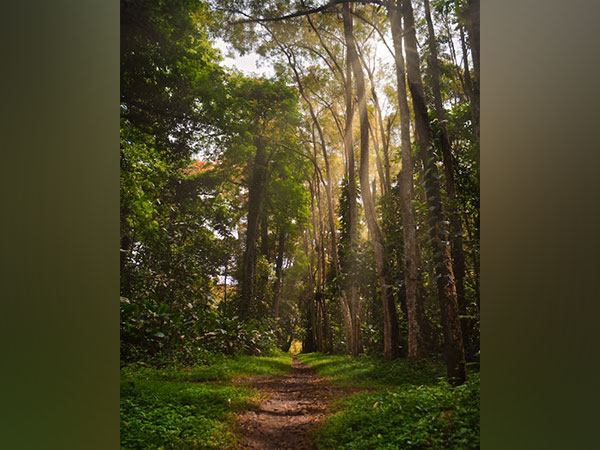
column 255, row 198
column 453, row 340
column 389, row 308
column 350, row 262
column 471, row 17
column 456, row 231
column 416, row 316
column 271, row 107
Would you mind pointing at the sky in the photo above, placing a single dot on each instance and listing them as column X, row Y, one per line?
column 246, row 64
column 249, row 63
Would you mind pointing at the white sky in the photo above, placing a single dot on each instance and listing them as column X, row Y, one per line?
column 253, row 64
column 247, row 64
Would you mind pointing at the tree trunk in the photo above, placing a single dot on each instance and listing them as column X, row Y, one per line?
column 471, row 17
column 352, row 291
column 255, row 196
column 378, row 161
column 453, row 341
column 278, row 271
column 390, row 318
column 336, row 264
column 467, row 75
column 264, row 234
column 321, row 287
column 382, row 167
column 225, row 286
column 350, row 287
column 456, row 231
column 307, row 305
column 414, row 307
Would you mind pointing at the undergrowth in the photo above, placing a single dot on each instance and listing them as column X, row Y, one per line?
column 407, row 406
column 189, row 407
column 369, row 372
column 217, row 367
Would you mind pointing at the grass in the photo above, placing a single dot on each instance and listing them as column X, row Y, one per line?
column 219, row 368
column 368, row 372
column 408, row 406
column 405, row 406
column 183, row 408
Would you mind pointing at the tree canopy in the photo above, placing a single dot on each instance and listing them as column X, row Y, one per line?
column 335, row 203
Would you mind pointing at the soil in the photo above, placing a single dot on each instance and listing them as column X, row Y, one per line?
column 294, row 405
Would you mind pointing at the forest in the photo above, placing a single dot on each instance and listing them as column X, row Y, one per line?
column 299, row 252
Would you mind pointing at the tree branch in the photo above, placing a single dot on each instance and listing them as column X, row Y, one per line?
column 306, row 12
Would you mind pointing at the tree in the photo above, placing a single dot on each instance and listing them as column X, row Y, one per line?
column 389, row 309
column 453, row 341
column 458, row 257
column 246, row 221
column 416, row 316
column 172, row 101
column 271, row 110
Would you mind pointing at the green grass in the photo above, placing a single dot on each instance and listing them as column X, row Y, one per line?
column 183, row 408
column 408, row 406
column 218, row 368
column 369, row 372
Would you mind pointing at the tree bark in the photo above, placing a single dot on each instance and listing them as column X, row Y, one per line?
column 390, row 318
column 456, row 230
column 308, row 343
column 453, row 340
column 350, row 287
column 321, row 288
column 382, row 167
column 383, row 179
column 467, row 72
column 414, row 307
column 264, row 234
column 255, row 197
column 328, row 194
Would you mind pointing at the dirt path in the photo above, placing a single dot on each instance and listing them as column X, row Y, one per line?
column 296, row 403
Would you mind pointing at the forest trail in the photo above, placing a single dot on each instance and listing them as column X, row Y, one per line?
column 296, row 403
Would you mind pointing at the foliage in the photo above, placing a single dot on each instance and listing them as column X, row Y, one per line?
column 206, row 331
column 213, row 367
column 170, row 77
column 171, row 92
column 407, row 405
column 415, row 417
column 179, row 214
column 174, row 408
column 178, row 415
column 190, row 130
column 199, row 141
column 369, row 372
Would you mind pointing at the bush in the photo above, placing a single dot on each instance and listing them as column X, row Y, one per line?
column 438, row 416
column 158, row 336
column 408, row 405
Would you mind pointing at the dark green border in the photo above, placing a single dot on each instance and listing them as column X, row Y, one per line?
column 539, row 225
column 60, row 220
